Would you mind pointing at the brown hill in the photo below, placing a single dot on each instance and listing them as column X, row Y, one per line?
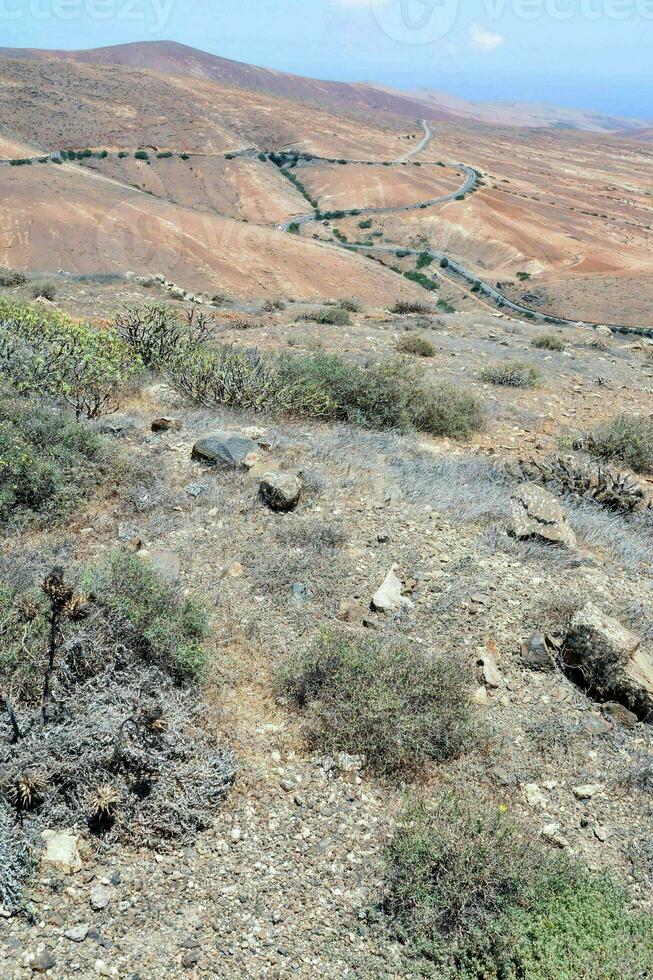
column 172, row 58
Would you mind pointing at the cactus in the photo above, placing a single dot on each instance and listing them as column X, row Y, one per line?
column 581, row 478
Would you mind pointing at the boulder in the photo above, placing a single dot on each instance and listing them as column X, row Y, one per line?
column 60, row 851
column 388, row 597
column 166, row 424
column 229, row 449
column 607, row 660
column 280, row 491
column 537, row 513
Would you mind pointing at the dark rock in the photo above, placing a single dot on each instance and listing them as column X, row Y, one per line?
column 280, row 491
column 538, row 653
column 165, row 424
column 42, row 962
column 228, row 449
column 606, row 659
column 619, row 715
column 117, row 425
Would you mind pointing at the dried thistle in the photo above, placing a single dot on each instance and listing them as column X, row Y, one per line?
column 28, row 789
column 57, row 589
column 153, row 719
column 28, row 610
column 104, row 801
column 77, row 607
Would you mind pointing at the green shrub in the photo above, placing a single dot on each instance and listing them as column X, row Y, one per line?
column 445, row 307
column 624, row 439
column 334, row 315
column 476, row 898
column 44, row 352
column 158, row 333
column 415, row 343
column 387, row 395
column 352, row 305
column 141, row 155
column 49, row 464
column 424, row 260
column 367, row 223
column 548, row 341
column 515, row 374
column 400, row 709
column 41, row 288
column 164, row 155
column 11, row 277
column 172, row 628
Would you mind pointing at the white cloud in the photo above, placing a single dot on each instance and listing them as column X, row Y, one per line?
column 486, row 41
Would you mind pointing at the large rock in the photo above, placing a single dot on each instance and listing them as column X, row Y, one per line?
column 280, row 491
column 388, row 597
column 60, row 851
column 607, row 660
column 229, row 449
column 537, row 513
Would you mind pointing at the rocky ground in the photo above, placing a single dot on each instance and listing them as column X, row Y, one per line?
column 289, row 881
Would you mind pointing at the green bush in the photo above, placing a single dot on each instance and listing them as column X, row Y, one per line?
column 515, row 374
column 333, row 315
column 11, row 277
column 44, row 352
column 141, row 155
column 172, row 629
column 548, row 341
column 624, row 439
column 158, row 333
column 387, row 395
column 49, row 464
column 41, row 288
column 476, row 898
column 415, row 343
column 352, row 305
column 400, row 709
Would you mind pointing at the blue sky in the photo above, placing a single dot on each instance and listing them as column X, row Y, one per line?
column 585, row 53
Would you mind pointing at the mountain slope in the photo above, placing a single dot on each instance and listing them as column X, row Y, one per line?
column 172, row 58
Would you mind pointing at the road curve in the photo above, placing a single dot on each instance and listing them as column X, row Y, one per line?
column 428, row 136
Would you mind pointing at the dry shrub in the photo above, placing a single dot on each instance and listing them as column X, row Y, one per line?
column 398, row 708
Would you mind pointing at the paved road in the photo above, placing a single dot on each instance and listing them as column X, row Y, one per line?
column 468, row 184
column 428, row 136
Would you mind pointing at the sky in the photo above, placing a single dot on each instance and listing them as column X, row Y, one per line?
column 595, row 54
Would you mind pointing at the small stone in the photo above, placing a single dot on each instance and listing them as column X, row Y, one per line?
column 236, row 834
column 190, row 957
column 235, row 570
column 166, row 424
column 103, row 969
column 552, row 834
column 351, row 611
column 491, row 674
column 77, row 934
column 42, row 961
column 101, row 895
column 195, row 489
column 388, row 597
column 586, row 791
column 61, row 851
column 601, row 834
column 534, row 795
column 536, row 653
column 280, row 491
column 480, row 696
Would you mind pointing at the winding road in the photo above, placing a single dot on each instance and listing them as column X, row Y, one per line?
column 450, row 265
